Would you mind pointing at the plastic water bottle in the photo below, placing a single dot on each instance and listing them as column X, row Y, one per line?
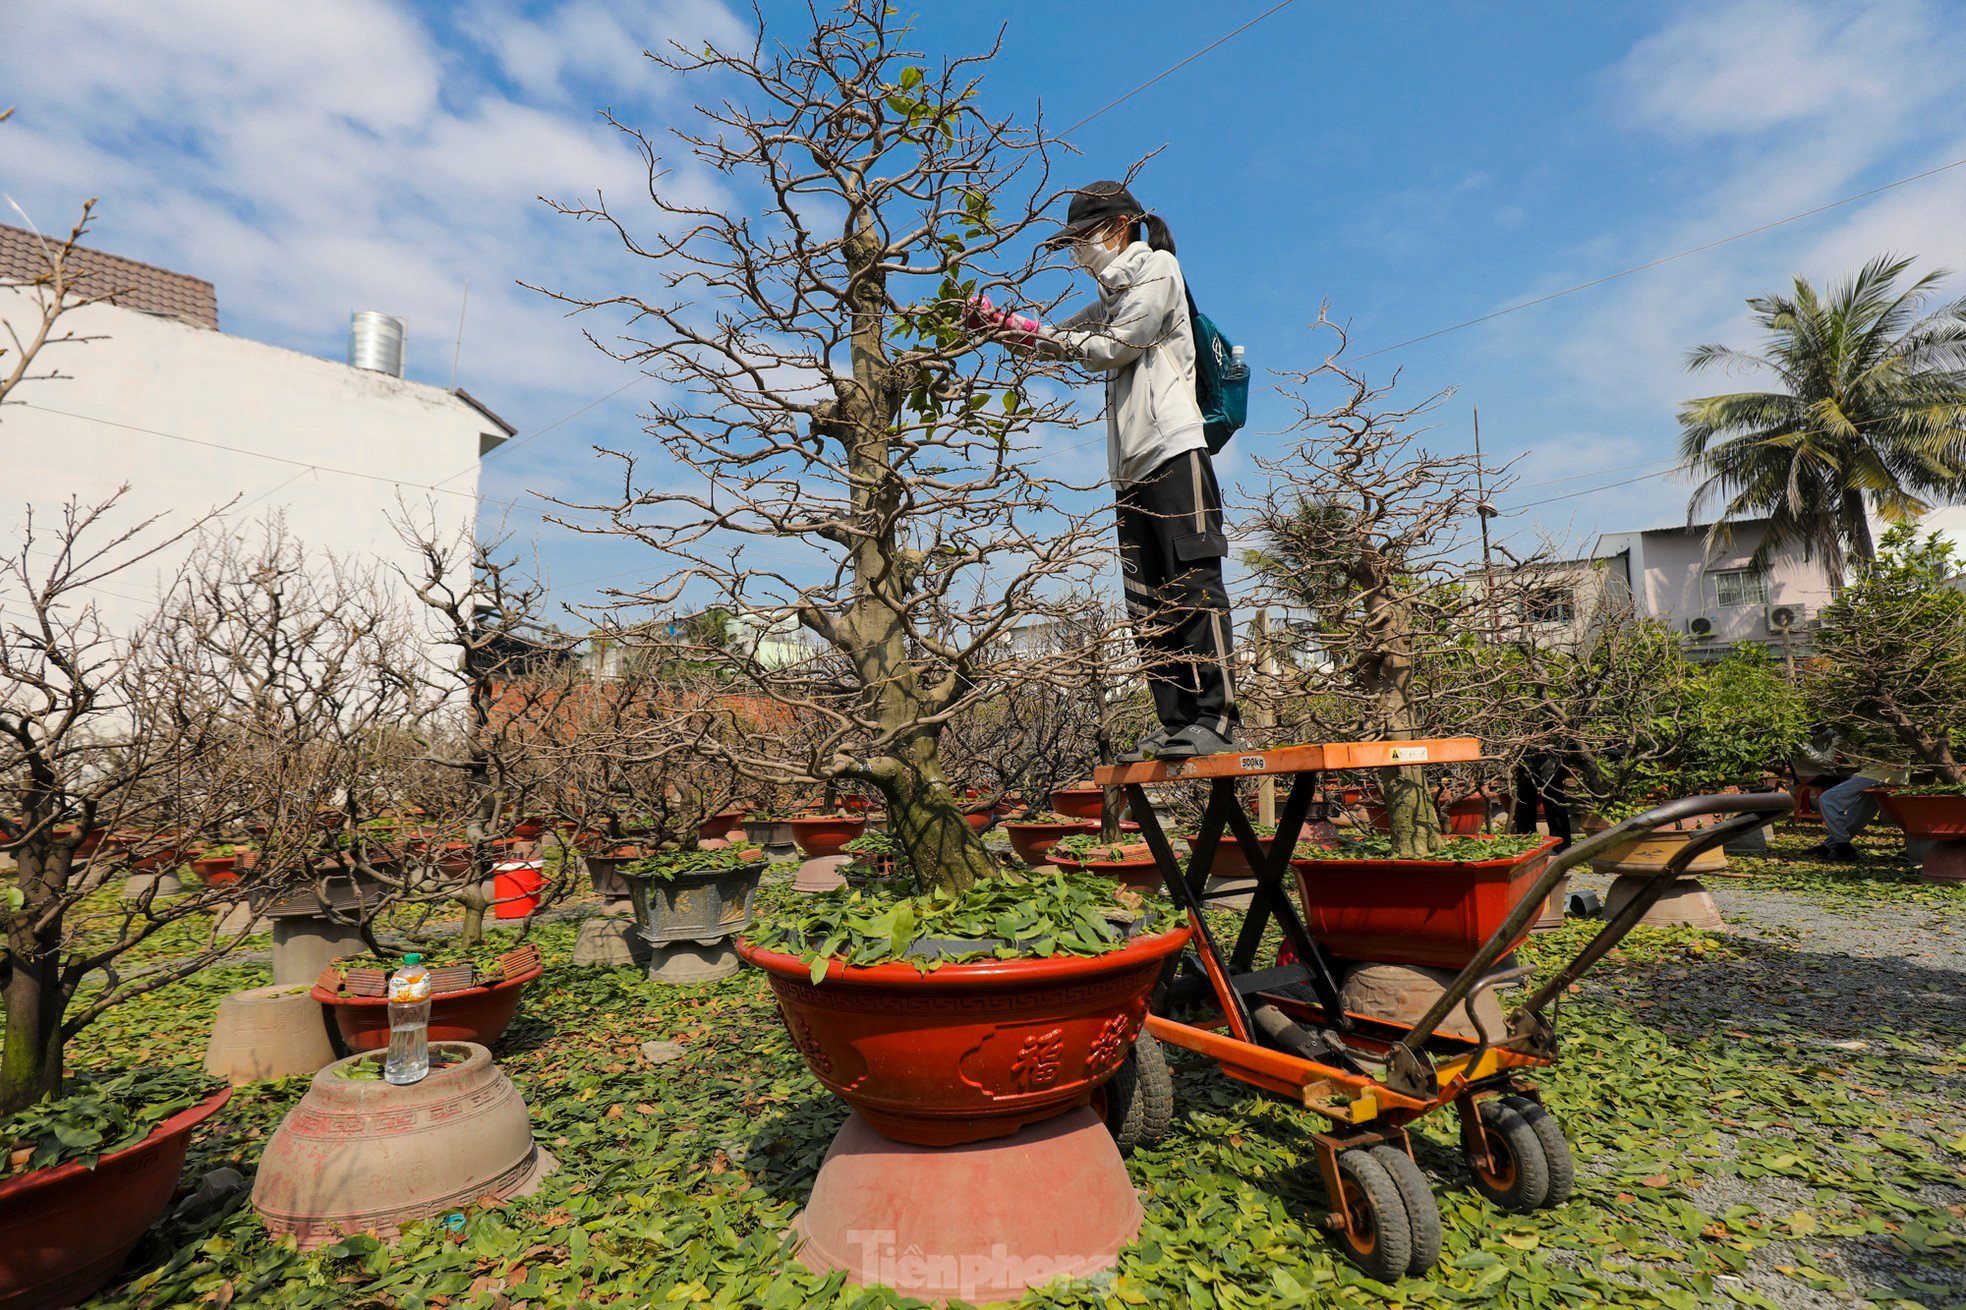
column 1237, row 366
column 409, row 1023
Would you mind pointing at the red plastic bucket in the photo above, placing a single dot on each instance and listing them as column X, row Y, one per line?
column 515, row 888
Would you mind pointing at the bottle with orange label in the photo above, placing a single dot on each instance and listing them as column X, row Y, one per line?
column 408, row 1060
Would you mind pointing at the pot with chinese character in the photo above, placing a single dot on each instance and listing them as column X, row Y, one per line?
column 967, row 1051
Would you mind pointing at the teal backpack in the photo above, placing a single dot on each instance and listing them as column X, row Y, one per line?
column 1221, row 381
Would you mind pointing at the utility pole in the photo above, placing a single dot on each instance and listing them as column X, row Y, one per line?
column 1484, row 511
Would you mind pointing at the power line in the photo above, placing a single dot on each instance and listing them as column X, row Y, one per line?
column 537, row 433
column 1664, row 259
column 1177, row 67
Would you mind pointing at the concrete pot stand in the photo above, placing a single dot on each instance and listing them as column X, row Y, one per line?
column 972, row 1087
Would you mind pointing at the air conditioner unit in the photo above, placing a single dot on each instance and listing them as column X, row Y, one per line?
column 1787, row 617
column 1702, row 625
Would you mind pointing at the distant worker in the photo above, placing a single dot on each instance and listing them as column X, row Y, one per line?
column 1168, row 506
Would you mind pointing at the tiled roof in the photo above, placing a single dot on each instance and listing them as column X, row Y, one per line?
column 125, row 282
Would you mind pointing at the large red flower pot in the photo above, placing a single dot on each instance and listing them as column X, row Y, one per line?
column 1136, row 868
column 967, row 1051
column 1079, row 802
column 1031, row 839
column 65, row 1231
column 1427, row 912
column 1928, row 818
column 1230, row 862
column 719, row 825
column 475, row 1014
column 216, row 870
column 1940, row 820
column 824, row 834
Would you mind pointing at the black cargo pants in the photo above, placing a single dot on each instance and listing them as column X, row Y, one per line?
column 1171, row 550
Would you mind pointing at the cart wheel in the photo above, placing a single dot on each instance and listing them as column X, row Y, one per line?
column 1556, row 1148
column 1380, row 1237
column 1137, row 1102
column 1422, row 1212
column 1520, row 1177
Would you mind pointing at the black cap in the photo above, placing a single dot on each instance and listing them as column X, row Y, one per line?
column 1093, row 207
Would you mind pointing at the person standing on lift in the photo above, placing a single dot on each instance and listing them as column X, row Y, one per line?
column 1139, row 333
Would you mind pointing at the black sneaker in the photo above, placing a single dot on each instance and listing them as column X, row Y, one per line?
column 1196, row 740
column 1836, row 852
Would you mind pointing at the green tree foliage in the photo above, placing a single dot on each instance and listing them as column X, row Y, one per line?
column 1892, row 677
column 1868, row 413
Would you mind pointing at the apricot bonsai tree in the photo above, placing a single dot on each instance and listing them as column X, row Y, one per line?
column 1365, row 537
column 839, row 463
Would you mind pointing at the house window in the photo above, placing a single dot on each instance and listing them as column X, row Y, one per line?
column 1553, row 605
column 1740, row 587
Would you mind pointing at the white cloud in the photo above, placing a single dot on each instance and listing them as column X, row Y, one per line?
column 348, row 156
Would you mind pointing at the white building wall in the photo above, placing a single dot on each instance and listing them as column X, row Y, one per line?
column 190, row 418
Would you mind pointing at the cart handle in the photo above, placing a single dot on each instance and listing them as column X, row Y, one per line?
column 1528, row 1029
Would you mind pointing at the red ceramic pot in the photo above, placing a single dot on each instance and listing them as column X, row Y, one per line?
column 1079, row 802
column 65, row 1231
column 1435, row 913
column 476, row 1014
column 216, row 870
column 967, row 1051
column 1229, row 859
column 1466, row 817
column 1137, row 870
column 824, row 834
column 1928, row 818
column 1031, row 838
column 719, row 825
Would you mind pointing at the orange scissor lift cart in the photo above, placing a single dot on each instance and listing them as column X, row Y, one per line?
column 1283, row 1029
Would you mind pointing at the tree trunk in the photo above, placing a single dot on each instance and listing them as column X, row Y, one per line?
column 927, row 823
column 31, row 1056
column 1411, row 817
column 1856, row 528
column 472, row 931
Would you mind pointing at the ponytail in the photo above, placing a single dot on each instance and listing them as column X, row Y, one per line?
column 1152, row 229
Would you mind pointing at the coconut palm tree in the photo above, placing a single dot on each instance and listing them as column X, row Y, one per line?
column 1870, row 415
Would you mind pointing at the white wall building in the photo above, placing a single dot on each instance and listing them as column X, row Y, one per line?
column 190, row 418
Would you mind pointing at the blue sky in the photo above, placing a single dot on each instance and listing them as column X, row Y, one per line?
column 1414, row 165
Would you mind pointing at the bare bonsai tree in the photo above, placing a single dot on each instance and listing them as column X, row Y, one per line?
column 133, row 747
column 830, row 404
column 1366, row 537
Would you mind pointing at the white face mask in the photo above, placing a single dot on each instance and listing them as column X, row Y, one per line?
column 1093, row 256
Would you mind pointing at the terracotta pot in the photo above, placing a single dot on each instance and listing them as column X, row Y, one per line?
column 476, row 1014
column 268, row 1032
column 1927, row 818
column 1428, row 912
column 1649, row 854
column 216, row 870
column 1031, row 839
column 1079, row 802
column 824, row 834
column 967, row 1051
column 720, row 825
column 1230, row 862
column 65, row 1231
column 367, row 1156
column 529, row 829
column 1137, row 869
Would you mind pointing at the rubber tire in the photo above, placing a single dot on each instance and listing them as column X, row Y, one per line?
column 1137, row 1102
column 1527, row 1177
column 1556, row 1148
column 1422, row 1211
column 1367, row 1181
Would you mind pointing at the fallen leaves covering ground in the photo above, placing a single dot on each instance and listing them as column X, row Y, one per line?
column 1772, row 1117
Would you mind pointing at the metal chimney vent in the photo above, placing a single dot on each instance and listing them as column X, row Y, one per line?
column 376, row 341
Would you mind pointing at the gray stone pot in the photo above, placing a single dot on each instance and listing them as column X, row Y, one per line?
column 694, row 907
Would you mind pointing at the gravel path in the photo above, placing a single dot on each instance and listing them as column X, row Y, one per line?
column 1867, row 980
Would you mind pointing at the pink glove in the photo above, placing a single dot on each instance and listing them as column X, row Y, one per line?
column 1012, row 329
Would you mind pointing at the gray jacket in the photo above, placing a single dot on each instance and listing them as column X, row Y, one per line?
column 1138, row 335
